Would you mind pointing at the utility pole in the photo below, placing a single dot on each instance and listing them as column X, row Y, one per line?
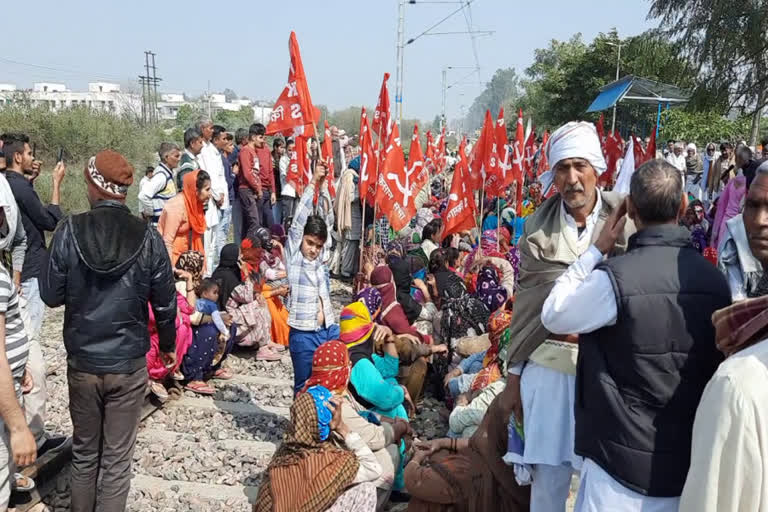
column 209, row 101
column 442, row 117
column 149, row 90
column 400, row 51
column 618, row 65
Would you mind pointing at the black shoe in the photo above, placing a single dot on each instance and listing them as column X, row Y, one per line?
column 399, row 497
column 52, row 445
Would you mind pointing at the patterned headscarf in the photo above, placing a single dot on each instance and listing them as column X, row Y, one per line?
column 321, row 396
column 330, row 367
column 355, row 324
column 324, row 470
column 498, row 334
column 371, row 297
column 192, row 262
column 489, row 291
column 741, row 325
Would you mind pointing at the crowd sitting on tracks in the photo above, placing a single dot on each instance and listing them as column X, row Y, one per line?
column 623, row 338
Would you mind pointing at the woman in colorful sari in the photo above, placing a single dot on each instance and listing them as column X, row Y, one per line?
column 188, row 273
column 273, row 286
column 182, row 223
column 321, row 465
column 481, row 388
column 392, row 313
column 246, row 305
column 331, row 369
column 197, row 363
column 728, row 207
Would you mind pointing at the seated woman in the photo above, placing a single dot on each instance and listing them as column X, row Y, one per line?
column 392, row 313
column 431, row 236
column 246, row 306
column 274, row 285
column 466, row 474
column 373, row 380
column 197, row 364
column 411, row 353
column 331, row 369
column 419, row 314
column 479, row 390
column 187, row 272
column 461, row 314
column 321, row 465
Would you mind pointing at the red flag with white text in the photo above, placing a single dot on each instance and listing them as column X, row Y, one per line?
column 293, row 113
column 367, row 160
column 393, row 193
column 326, row 153
column 418, row 172
column 459, row 214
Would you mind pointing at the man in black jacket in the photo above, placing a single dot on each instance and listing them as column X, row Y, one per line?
column 646, row 348
column 105, row 266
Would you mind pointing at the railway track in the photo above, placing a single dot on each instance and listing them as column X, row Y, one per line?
column 193, row 453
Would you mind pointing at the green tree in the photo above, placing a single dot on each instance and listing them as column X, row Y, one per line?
column 728, row 42
column 565, row 77
column 502, row 90
column 230, row 95
column 188, row 115
column 702, row 127
column 232, row 120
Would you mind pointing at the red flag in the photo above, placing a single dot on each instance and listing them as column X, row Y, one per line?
column 600, row 129
column 382, row 116
column 393, row 187
column 478, row 168
column 459, row 214
column 293, row 113
column 418, row 172
column 543, row 165
column 505, row 154
column 489, row 154
column 650, row 151
column 326, row 153
column 429, row 155
column 299, row 172
column 530, row 152
column 613, row 150
column 367, row 160
column 440, row 153
column 518, row 149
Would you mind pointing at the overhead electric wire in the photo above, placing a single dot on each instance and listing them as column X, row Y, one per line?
column 439, row 22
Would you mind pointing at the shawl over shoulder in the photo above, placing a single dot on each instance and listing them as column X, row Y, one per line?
column 544, row 256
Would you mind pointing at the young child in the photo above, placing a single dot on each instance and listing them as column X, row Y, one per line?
column 311, row 318
column 208, row 297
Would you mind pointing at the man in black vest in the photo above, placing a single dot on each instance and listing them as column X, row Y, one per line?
column 646, row 348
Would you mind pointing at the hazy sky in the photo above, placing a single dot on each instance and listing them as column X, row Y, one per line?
column 346, row 45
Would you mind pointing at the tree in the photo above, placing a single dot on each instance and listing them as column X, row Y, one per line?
column 565, row 77
column 188, row 115
column 436, row 122
column 702, row 127
column 502, row 90
column 230, row 95
column 728, row 42
column 232, row 120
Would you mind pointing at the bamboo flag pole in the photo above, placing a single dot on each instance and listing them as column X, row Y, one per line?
column 498, row 221
column 482, row 211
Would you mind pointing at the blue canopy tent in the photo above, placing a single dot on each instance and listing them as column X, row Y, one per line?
column 639, row 90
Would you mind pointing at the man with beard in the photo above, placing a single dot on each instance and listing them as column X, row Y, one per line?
column 542, row 366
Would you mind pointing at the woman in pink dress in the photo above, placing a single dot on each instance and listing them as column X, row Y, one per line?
column 158, row 373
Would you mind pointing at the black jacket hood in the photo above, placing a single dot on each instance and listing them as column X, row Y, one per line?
column 108, row 239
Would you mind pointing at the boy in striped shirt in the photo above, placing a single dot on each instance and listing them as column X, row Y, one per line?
column 311, row 317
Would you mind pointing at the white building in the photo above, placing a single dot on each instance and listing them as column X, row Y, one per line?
column 55, row 96
column 170, row 103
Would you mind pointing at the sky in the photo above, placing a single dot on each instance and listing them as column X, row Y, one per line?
column 346, row 46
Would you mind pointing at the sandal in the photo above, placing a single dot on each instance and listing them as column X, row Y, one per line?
column 158, row 390
column 276, row 347
column 22, row 483
column 200, row 388
column 266, row 354
column 223, row 374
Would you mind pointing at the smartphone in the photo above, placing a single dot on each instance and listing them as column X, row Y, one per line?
column 61, row 155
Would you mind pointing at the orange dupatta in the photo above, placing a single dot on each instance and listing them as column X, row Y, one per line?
column 195, row 212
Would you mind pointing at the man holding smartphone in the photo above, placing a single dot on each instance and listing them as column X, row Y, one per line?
column 21, row 171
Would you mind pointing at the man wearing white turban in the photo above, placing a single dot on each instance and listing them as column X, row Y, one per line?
column 542, row 366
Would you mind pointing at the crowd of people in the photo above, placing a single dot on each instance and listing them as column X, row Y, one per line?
column 581, row 331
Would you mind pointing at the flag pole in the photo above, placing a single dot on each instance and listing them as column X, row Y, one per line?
column 482, row 211
column 498, row 221
column 376, row 195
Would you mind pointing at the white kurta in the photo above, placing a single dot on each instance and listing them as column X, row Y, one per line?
column 729, row 459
